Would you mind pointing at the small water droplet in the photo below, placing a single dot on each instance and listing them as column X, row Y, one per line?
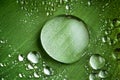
column 107, row 32
column 2, row 41
column 116, row 22
column 20, row 57
column 36, row 75
column 33, row 57
column 103, row 74
column 67, row 7
column 89, row 3
column 47, row 13
column 118, row 37
column 65, row 0
column 97, row 61
column 104, row 39
column 17, row 1
column 1, row 64
column 9, row 55
column 22, row 2
column 116, row 53
column 48, row 71
column 30, row 66
column 20, row 75
column 2, row 79
column 93, row 76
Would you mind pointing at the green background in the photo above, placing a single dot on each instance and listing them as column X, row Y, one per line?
column 20, row 29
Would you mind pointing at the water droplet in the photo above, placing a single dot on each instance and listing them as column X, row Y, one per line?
column 2, row 79
column 33, row 56
column 103, row 74
column 17, row 1
column 20, row 75
column 93, row 77
column 97, row 61
column 116, row 54
column 22, row 2
column 1, row 64
column 48, row 71
column 36, row 75
column 65, row 0
column 73, row 29
column 47, row 13
column 116, row 22
column 107, row 32
column 30, row 66
column 2, row 41
column 89, row 2
column 67, row 7
column 9, row 55
column 104, row 39
column 118, row 37
column 20, row 57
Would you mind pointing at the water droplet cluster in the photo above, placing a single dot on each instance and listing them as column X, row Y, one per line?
column 37, row 67
column 97, row 63
column 49, row 6
column 112, row 36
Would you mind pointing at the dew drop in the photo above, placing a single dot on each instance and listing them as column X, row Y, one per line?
column 30, row 66
column 89, row 3
column 20, row 75
column 9, row 55
column 104, row 39
column 36, row 75
column 103, row 74
column 67, row 7
column 2, row 79
column 97, row 61
column 118, row 37
column 33, row 57
column 47, row 13
column 20, row 57
column 2, row 41
column 22, row 2
column 116, row 53
column 116, row 22
column 65, row 0
column 17, row 1
column 1, row 64
column 47, row 71
column 93, row 77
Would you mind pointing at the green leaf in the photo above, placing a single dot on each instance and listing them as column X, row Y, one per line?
column 21, row 22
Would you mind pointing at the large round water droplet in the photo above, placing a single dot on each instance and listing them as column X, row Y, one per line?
column 64, row 38
column 97, row 61
column 33, row 56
